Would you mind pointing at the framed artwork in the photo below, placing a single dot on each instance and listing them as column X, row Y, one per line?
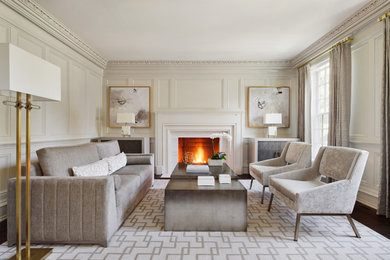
column 135, row 99
column 267, row 99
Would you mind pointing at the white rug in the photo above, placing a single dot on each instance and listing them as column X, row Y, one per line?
column 269, row 236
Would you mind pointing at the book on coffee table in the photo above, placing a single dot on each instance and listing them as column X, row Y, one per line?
column 224, row 178
column 192, row 168
column 206, row 181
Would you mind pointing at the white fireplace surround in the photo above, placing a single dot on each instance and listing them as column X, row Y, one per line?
column 170, row 126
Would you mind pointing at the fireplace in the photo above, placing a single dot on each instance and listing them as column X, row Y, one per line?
column 196, row 150
column 172, row 125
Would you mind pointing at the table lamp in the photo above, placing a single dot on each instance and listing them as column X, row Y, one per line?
column 273, row 119
column 24, row 73
column 125, row 118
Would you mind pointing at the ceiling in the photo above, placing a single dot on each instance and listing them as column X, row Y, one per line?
column 231, row 30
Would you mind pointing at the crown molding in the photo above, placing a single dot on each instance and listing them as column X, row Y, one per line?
column 46, row 21
column 282, row 64
column 358, row 20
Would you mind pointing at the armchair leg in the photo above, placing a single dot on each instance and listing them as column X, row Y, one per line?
column 262, row 195
column 250, row 187
column 270, row 202
column 353, row 226
column 298, row 221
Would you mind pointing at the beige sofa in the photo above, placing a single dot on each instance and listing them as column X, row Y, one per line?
column 80, row 210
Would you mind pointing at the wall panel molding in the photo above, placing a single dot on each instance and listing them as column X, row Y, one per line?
column 228, row 85
column 44, row 20
column 50, row 124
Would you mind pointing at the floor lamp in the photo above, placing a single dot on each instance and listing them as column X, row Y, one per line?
column 22, row 73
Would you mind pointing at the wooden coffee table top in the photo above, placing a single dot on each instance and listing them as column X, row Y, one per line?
column 192, row 185
column 180, row 172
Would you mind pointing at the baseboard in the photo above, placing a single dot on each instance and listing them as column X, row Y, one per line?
column 367, row 199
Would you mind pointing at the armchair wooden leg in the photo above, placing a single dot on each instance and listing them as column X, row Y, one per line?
column 353, row 226
column 298, row 221
column 270, row 201
column 262, row 195
column 250, row 187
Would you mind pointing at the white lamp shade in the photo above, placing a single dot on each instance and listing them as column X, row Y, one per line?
column 128, row 118
column 273, row 119
column 21, row 71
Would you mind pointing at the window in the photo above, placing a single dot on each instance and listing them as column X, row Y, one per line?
column 319, row 105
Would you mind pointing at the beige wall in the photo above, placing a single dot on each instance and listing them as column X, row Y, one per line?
column 367, row 64
column 73, row 120
column 200, row 87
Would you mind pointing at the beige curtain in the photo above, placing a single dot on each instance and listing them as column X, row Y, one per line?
column 339, row 95
column 384, row 185
column 304, row 104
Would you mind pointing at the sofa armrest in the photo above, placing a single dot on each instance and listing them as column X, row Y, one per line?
column 140, row 158
column 298, row 174
column 275, row 162
column 332, row 198
column 67, row 210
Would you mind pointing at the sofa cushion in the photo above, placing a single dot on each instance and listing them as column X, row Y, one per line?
column 337, row 162
column 35, row 169
column 291, row 187
column 58, row 161
column 294, row 152
column 107, row 149
column 116, row 162
column 143, row 171
column 126, row 188
column 99, row 168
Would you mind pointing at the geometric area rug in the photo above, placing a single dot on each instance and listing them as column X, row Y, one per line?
column 269, row 236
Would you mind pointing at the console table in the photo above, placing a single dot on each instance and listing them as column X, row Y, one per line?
column 129, row 144
column 267, row 148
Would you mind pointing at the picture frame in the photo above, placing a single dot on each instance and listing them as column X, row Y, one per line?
column 267, row 99
column 135, row 99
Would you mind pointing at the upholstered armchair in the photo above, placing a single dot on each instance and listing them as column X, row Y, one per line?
column 304, row 192
column 295, row 155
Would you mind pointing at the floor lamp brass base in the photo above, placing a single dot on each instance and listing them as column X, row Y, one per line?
column 35, row 253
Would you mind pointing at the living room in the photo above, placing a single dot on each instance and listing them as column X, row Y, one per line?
column 198, row 69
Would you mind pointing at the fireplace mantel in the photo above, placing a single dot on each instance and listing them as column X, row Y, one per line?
column 170, row 125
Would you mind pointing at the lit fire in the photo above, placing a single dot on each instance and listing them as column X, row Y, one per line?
column 199, row 156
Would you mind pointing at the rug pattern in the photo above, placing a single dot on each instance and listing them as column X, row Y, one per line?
column 269, row 236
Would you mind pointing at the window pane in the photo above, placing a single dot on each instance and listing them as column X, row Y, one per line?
column 325, row 121
column 320, row 105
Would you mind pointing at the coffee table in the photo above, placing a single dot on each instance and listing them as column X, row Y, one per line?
column 180, row 172
column 189, row 207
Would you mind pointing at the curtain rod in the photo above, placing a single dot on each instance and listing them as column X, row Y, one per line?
column 349, row 38
column 383, row 17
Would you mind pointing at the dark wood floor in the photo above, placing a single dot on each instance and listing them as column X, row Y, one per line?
column 3, row 231
column 368, row 217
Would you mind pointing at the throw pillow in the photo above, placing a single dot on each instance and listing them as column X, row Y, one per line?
column 99, row 168
column 116, row 162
